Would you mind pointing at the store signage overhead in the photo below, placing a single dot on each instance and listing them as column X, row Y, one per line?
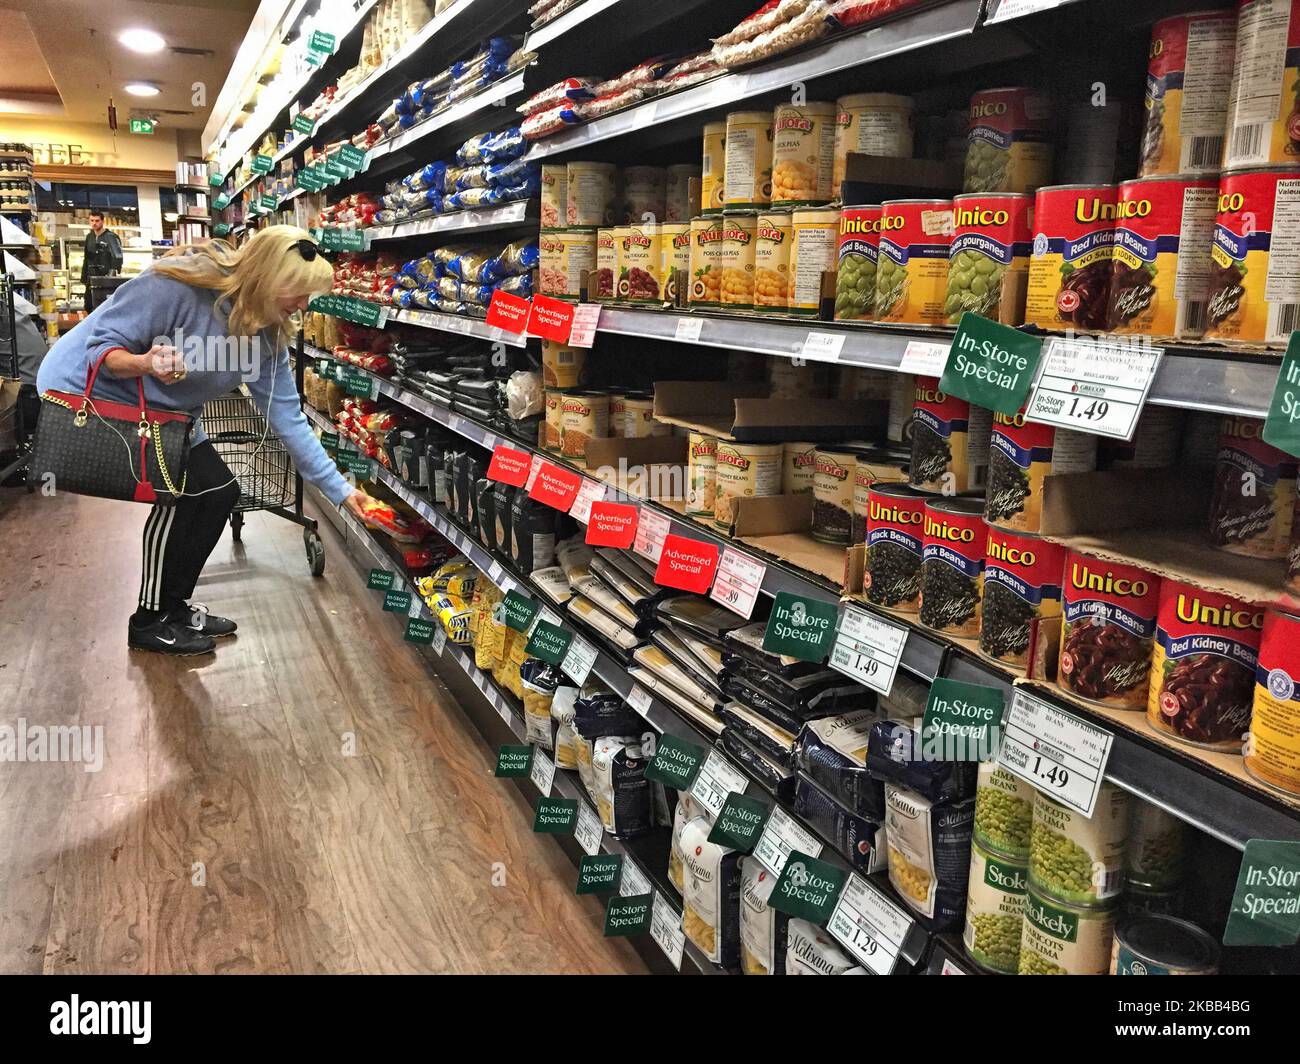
column 800, row 627
column 1282, row 426
column 612, row 524
column 1266, row 903
column 1094, row 386
column 990, row 364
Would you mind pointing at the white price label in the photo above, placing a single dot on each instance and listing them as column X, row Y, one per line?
column 503, row 709
column 1009, row 9
column 532, row 472
column 543, row 772
column 869, row 925
column 1062, row 755
column 1094, row 386
column 639, row 699
column 822, row 346
column 666, row 930
column 633, row 881
column 589, row 491
column 781, row 834
column 924, row 359
column 949, row 968
column 495, row 572
column 416, row 608
column 579, row 660
column 586, row 319
column 439, row 639
column 738, row 582
column 688, row 330
column 589, row 831
column 374, row 388
column 651, row 531
column 868, row 649
column 716, row 779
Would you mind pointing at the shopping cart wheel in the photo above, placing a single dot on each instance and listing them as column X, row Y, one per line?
column 236, row 526
column 315, row 551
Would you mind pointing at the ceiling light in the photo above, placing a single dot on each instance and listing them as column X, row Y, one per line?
column 141, row 88
column 145, row 41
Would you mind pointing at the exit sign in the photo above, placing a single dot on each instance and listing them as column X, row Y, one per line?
column 142, row 125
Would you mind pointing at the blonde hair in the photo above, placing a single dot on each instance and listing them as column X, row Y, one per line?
column 251, row 280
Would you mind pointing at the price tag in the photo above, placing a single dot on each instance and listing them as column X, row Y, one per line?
column 652, row 529
column 550, row 319
column 508, row 312
column 589, row 831
column 868, row 649
column 716, row 779
column 633, row 881
column 688, row 330
column 924, row 359
column 738, row 582
column 509, row 466
column 495, row 571
column 1062, row 755
column 586, row 319
column 781, row 835
column 666, row 930
column 555, row 487
column 439, row 641
column 686, row 564
column 1009, row 9
column 611, row 524
column 590, row 491
column 822, row 346
column 639, row 699
column 542, row 773
column 1094, row 386
column 869, row 925
column 578, row 661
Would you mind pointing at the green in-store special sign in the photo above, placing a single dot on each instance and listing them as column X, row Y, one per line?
column 356, row 464
column 675, row 763
column 309, row 180
column 353, row 158
column 1282, row 426
column 808, row 888
column 519, row 611
column 548, row 642
column 379, row 579
column 599, row 874
column 418, row 631
column 800, row 627
column 329, row 440
column 1266, row 904
column 262, row 164
column 555, row 816
column 397, row 602
column 220, row 229
column 216, row 180
column 628, row 916
column 335, row 168
column 958, row 720
column 740, row 823
column 991, row 365
column 321, row 41
column 514, row 761
column 142, row 125
column 304, row 124
column 269, row 203
column 361, row 311
column 335, row 239
column 354, row 381
column 221, row 202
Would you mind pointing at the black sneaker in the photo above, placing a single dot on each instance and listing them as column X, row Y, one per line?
column 164, row 637
column 196, row 618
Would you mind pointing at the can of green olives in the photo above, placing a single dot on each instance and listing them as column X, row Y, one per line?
column 995, row 909
column 1076, row 859
column 1004, row 812
column 988, row 262
column 859, row 248
column 1162, row 945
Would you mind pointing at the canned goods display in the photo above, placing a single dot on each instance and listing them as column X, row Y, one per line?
column 701, row 474
column 638, row 417
column 713, row 170
column 772, row 261
column 1254, row 288
column 813, row 244
column 1070, row 268
column 591, row 195
column 871, row 467
column 798, row 468
column 1263, row 124
column 1155, row 858
column 871, row 123
column 1022, row 454
column 675, row 261
column 567, row 257
column 1154, row 445
column 833, row 494
column 1022, row 587
column 1189, row 77
column 1162, row 945
column 639, row 263
column 682, row 189
column 645, row 190
column 1060, row 939
column 895, row 541
column 988, row 261
column 857, row 252
column 912, row 269
column 552, row 425
column 1254, row 496
column 1203, row 666
column 554, row 195
column 706, row 262
column 943, row 428
column 803, row 154
column 1164, row 229
column 1076, row 859
column 747, row 167
column 584, row 416
column 1108, row 631
column 739, row 230
column 562, row 365
column 603, row 287
column 1004, row 812
column 1009, row 141
column 952, row 566
column 995, row 910
column 744, row 471
column 1273, row 745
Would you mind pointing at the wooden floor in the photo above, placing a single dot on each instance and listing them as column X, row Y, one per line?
column 228, row 830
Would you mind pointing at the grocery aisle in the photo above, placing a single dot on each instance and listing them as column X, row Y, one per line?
column 227, row 831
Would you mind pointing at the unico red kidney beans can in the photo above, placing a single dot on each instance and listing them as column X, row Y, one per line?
column 1253, row 502
column 952, row 566
column 1273, row 745
column 1070, row 260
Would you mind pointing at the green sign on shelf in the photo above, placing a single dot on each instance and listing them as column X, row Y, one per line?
column 334, row 168
column 216, row 180
column 808, row 888
column 356, row 464
column 549, row 643
column 628, row 916
column 800, row 627
column 220, row 229
column 350, row 308
column 675, row 763
column 304, row 124
column 599, row 874
column 514, row 761
column 262, row 164
column 329, row 440
column 355, row 381
column 418, row 631
column 555, row 816
column 334, row 239
column 1266, row 904
column 353, row 158
column 958, row 718
column 269, row 203
column 740, row 823
column 397, row 602
column 321, row 41
column 1282, row 426
column 519, row 611
column 990, row 364
column 221, row 202
column 142, row 125
column 380, row 579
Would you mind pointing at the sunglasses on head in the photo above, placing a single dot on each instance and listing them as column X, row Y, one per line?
column 309, row 249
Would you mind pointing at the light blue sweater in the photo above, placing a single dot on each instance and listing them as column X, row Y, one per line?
column 152, row 308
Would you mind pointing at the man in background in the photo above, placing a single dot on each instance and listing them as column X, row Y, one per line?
column 103, row 254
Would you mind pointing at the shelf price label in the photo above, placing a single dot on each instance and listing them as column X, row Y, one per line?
column 686, row 564
column 800, row 627
column 869, row 925
column 822, row 346
column 611, row 524
column 513, row 761
column 589, row 493
column 1266, row 902
column 578, row 661
column 666, row 930
column 628, row 915
column 807, row 888
column 652, row 529
column 542, row 770
column 586, row 319
column 589, row 831
column 598, row 873
column 783, row 835
column 508, row 312
column 554, row 816
column 1094, row 386
column 739, row 580
column 1060, row 754
column 676, row 762
column 550, row 319
column 924, row 359
column 740, row 823
column 509, row 466
column 688, row 330
column 639, row 699
column 716, row 780
column 868, row 649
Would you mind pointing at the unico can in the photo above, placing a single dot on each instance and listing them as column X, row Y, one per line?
column 706, row 262
column 747, row 177
column 1070, row 266
column 1253, row 502
column 895, row 534
column 1164, row 228
column 815, row 238
column 803, row 154
column 1254, row 290
column 1263, row 111
column 858, row 250
column 772, row 261
column 942, row 428
column 1022, row 587
column 952, row 566
column 739, row 228
column 1189, row 76
column 1009, row 141
column 988, row 261
column 1021, row 456
column 1273, row 745
column 912, row 271
column 714, row 168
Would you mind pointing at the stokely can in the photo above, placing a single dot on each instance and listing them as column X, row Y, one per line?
column 1070, row 264
column 706, row 262
column 1254, row 288
column 952, row 566
column 772, row 261
column 602, row 287
column 814, row 240
column 713, row 171
column 739, row 229
column 1061, row 939
column 682, row 193
column 1076, row 859
column 701, row 474
column 988, row 261
column 798, row 468
column 639, row 261
column 553, row 423
column 1253, row 502
column 644, row 193
column 1022, row 589
column 1108, row 630
column 803, row 154
column 1263, row 113
column 858, row 250
column 675, row 261
column 744, row 471
column 995, row 910
column 1189, row 76
column 1009, row 141
column 554, row 195
column 1021, row 456
column 1203, row 666
column 871, row 123
column 584, row 416
column 895, row 534
column 747, row 179
column 1164, row 229
column 942, row 426
column 1162, row 945
column 1273, row 745
column 1004, row 812
column 879, row 465
column 912, row 270
column 590, row 195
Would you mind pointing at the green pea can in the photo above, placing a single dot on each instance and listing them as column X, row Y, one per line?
column 1004, row 812
column 1076, row 859
column 988, row 260
column 858, row 251
column 995, row 908
column 1060, row 939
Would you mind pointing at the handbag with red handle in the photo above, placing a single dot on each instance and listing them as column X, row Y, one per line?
column 111, row 450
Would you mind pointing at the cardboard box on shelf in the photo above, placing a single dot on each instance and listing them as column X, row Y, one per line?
column 873, row 178
column 742, row 412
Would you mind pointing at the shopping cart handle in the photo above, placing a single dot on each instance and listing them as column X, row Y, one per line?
column 234, row 437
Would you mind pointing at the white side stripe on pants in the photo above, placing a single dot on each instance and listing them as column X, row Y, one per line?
column 156, row 530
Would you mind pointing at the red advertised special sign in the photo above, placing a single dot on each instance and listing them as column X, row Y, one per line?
column 507, row 312
column 551, row 319
column 554, row 486
column 687, row 564
column 612, row 524
column 509, row 466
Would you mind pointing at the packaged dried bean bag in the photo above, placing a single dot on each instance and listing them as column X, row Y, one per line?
column 710, row 894
column 929, row 854
column 763, row 929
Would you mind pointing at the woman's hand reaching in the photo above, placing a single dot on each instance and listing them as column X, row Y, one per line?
column 355, row 504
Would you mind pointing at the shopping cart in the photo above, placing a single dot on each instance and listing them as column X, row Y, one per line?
column 258, row 458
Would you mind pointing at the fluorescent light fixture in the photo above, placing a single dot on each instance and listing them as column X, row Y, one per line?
column 141, row 88
column 142, row 40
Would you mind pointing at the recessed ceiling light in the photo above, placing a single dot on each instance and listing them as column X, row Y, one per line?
column 139, row 40
column 141, row 88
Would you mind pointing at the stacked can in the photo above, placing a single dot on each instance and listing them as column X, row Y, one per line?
column 999, row 869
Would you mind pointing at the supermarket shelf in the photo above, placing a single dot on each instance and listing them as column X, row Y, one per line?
column 205, row 218
column 462, row 326
column 525, row 212
column 496, row 93
column 570, row 20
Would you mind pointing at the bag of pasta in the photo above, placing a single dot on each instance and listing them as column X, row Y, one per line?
column 811, row 951
column 687, row 810
column 762, row 929
column 619, row 787
column 563, row 737
column 929, row 854
column 710, row 894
